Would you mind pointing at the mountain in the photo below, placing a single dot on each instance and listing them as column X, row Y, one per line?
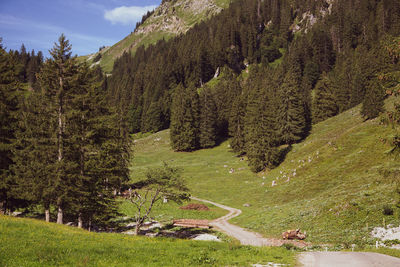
column 305, row 60
column 171, row 18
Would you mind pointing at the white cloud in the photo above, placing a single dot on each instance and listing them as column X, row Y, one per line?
column 44, row 35
column 127, row 14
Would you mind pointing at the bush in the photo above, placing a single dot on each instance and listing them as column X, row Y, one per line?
column 387, row 210
column 97, row 58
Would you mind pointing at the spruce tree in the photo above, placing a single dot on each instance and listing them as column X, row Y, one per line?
column 324, row 103
column 260, row 125
column 254, row 137
column 8, row 126
column 292, row 120
column 152, row 119
column 101, row 153
column 185, row 119
column 35, row 154
column 57, row 80
column 237, row 124
column 208, row 119
column 373, row 103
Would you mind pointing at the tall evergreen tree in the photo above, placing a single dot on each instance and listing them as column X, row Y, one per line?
column 100, row 152
column 237, row 124
column 292, row 121
column 260, row 125
column 8, row 126
column 208, row 119
column 57, row 79
column 35, row 154
column 185, row 119
column 374, row 100
column 324, row 103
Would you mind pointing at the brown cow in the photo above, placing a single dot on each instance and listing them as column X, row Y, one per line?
column 293, row 234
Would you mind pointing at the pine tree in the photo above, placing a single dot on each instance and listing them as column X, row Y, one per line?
column 225, row 92
column 208, row 119
column 35, row 154
column 152, row 120
column 185, row 119
column 260, row 124
column 8, row 125
column 57, row 80
column 101, row 153
column 254, row 132
column 291, row 111
column 324, row 103
column 237, row 124
column 373, row 103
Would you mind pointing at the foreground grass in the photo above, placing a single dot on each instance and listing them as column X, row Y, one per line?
column 28, row 242
column 337, row 194
column 387, row 251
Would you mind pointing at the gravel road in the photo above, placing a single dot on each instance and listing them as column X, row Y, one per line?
column 245, row 237
column 347, row 259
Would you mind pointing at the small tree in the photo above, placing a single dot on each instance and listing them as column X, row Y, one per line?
column 162, row 182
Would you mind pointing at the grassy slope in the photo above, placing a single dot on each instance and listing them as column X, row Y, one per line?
column 26, row 242
column 336, row 197
column 134, row 40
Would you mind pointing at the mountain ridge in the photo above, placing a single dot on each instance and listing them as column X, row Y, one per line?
column 169, row 19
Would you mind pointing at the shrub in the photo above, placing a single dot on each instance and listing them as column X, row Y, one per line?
column 387, row 210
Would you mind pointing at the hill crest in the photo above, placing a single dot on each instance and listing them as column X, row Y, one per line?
column 169, row 19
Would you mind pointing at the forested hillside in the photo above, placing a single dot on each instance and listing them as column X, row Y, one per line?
column 261, row 72
column 171, row 18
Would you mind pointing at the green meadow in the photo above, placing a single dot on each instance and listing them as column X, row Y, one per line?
column 27, row 242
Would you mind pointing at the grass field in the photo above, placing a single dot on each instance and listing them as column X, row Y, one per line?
column 337, row 193
column 165, row 213
column 27, row 242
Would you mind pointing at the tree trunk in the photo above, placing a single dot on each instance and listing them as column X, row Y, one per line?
column 3, row 208
column 137, row 228
column 47, row 214
column 90, row 225
column 80, row 222
column 60, row 215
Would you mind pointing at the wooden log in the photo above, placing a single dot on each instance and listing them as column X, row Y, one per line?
column 190, row 223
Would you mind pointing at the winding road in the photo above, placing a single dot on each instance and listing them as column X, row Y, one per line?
column 245, row 237
column 307, row 259
column 222, row 224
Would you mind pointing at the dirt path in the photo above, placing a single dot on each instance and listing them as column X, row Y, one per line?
column 307, row 259
column 245, row 237
column 344, row 259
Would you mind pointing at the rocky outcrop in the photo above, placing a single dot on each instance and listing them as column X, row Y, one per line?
column 175, row 16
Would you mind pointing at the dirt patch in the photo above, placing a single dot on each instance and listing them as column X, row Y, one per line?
column 195, row 206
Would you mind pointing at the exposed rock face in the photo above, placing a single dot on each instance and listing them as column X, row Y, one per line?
column 308, row 19
column 167, row 17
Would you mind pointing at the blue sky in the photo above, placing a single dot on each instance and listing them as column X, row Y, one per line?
column 87, row 24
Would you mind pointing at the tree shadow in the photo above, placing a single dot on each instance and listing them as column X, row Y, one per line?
column 283, row 151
